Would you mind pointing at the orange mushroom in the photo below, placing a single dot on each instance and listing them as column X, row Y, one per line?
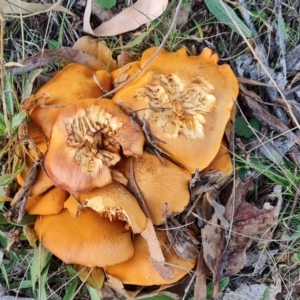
column 86, row 141
column 113, row 202
column 73, row 83
column 186, row 100
column 87, row 240
column 49, row 203
column 139, row 270
column 222, row 161
column 159, row 184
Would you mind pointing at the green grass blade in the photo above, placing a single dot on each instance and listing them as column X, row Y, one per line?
column 4, row 274
column 28, row 88
column 3, row 129
column 94, row 295
column 71, row 291
column 219, row 12
column 41, row 258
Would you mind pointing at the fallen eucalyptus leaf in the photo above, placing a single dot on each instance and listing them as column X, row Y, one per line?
column 140, row 13
column 25, row 8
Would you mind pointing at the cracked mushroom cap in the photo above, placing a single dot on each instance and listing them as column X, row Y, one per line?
column 112, row 201
column 86, row 141
column 139, row 270
column 71, row 84
column 186, row 100
column 159, row 184
column 87, row 240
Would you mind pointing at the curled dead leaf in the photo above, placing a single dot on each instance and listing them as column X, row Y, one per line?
column 225, row 251
column 140, row 13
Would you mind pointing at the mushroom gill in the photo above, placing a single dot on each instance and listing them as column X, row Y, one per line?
column 90, row 136
column 186, row 101
column 71, row 84
column 112, row 201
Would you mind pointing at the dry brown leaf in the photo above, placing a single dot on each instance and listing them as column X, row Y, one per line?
column 94, row 277
column 97, row 49
column 47, row 56
column 114, row 285
column 229, row 257
column 202, row 272
column 125, row 57
column 213, row 242
column 13, row 64
column 140, row 13
column 156, row 256
column 183, row 242
column 25, row 8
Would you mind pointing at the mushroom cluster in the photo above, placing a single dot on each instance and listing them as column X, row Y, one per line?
column 86, row 211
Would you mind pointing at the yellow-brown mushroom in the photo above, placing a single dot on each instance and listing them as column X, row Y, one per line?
column 186, row 100
column 86, row 141
column 159, row 184
column 222, row 161
column 73, row 83
column 112, row 201
column 139, row 270
column 87, row 240
column 50, row 202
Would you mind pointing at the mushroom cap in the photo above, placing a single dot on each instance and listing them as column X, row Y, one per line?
column 159, row 184
column 222, row 161
column 71, row 84
column 139, row 270
column 49, row 203
column 114, row 202
column 87, row 240
column 90, row 136
column 186, row 100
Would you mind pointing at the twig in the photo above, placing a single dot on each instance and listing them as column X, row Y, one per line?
column 152, row 57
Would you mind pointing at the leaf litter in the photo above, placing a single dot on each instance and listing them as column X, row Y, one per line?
column 224, row 248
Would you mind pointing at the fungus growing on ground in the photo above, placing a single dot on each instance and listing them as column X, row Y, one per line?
column 73, row 83
column 159, row 184
column 87, row 240
column 139, row 269
column 87, row 140
column 186, row 100
column 112, row 201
